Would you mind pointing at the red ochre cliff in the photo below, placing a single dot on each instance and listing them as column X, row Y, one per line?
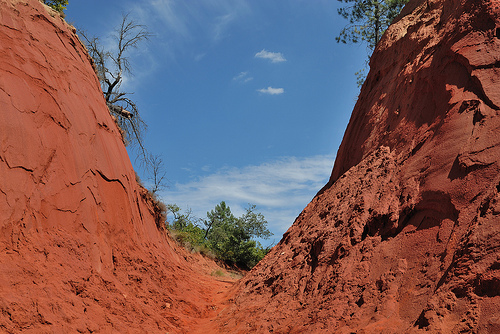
column 79, row 248
column 405, row 237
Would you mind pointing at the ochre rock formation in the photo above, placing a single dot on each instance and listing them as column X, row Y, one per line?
column 406, row 235
column 79, row 248
column 404, row 238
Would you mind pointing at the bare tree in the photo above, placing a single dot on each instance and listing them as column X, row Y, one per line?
column 158, row 176
column 111, row 66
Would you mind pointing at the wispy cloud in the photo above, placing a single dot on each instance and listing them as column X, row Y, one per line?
column 191, row 22
column 243, row 77
column 280, row 189
column 170, row 13
column 271, row 91
column 274, row 57
column 199, row 57
column 221, row 25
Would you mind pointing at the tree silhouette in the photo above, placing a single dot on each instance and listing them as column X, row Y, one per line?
column 111, row 67
column 368, row 20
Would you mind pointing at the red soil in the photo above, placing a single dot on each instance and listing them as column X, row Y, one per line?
column 79, row 248
column 406, row 235
column 404, row 238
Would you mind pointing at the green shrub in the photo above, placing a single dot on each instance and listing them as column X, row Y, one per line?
column 231, row 238
column 190, row 237
column 58, row 5
column 218, row 273
column 224, row 237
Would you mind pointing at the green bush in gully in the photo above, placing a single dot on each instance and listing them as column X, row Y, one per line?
column 58, row 5
column 228, row 238
column 185, row 229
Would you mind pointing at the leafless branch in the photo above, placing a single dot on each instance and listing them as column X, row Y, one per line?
column 110, row 68
column 157, row 172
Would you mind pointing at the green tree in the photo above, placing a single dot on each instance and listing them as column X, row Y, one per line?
column 58, row 5
column 254, row 223
column 226, row 237
column 180, row 220
column 186, row 228
column 218, row 221
column 368, row 20
column 231, row 238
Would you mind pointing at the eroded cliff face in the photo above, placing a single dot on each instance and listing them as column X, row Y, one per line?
column 406, row 235
column 79, row 248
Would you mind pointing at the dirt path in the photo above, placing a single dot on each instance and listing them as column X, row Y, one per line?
column 196, row 296
column 220, row 295
column 218, row 291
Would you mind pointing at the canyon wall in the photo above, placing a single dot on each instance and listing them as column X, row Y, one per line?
column 405, row 237
column 79, row 247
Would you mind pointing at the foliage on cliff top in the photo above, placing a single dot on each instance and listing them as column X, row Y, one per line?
column 58, row 5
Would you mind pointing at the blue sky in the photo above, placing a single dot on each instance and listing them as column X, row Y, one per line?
column 246, row 101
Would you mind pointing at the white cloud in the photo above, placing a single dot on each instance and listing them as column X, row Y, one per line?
column 206, row 168
column 280, row 189
column 271, row 91
column 187, row 23
column 275, row 57
column 199, row 57
column 243, row 77
column 221, row 25
column 170, row 13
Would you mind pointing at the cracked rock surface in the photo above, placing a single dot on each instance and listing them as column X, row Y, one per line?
column 79, row 248
column 405, row 237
